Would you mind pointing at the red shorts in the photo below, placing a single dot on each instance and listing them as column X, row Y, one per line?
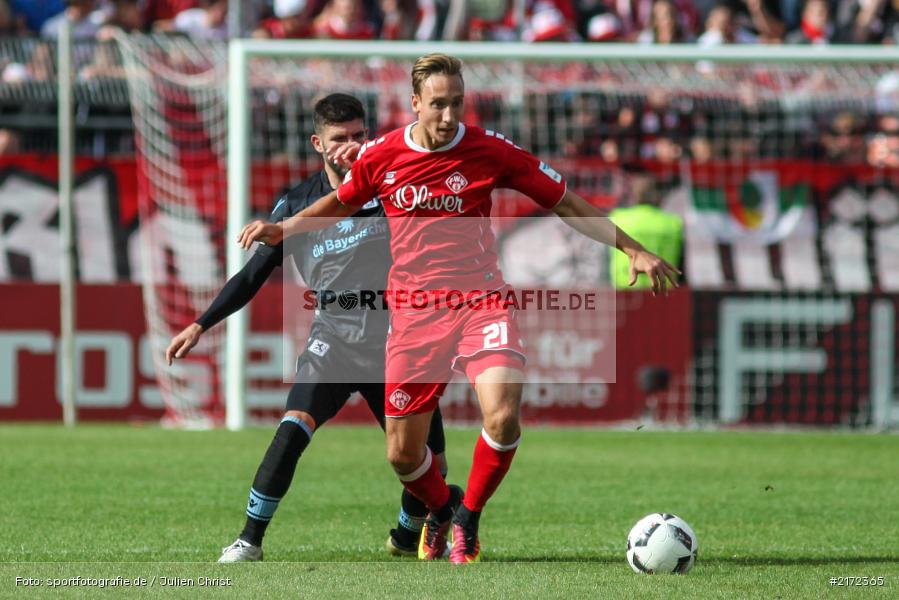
column 425, row 347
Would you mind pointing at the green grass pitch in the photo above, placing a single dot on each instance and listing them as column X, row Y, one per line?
column 777, row 514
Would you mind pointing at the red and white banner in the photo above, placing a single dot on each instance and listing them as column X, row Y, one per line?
column 116, row 381
column 851, row 248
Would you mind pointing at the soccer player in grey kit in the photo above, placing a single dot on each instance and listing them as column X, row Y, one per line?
column 339, row 341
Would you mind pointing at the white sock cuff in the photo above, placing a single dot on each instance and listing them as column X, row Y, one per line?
column 422, row 468
column 496, row 445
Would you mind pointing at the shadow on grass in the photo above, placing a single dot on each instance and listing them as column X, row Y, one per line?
column 755, row 561
column 739, row 561
column 733, row 561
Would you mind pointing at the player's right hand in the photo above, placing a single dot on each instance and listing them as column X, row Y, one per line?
column 183, row 342
column 660, row 272
column 345, row 154
column 260, row 231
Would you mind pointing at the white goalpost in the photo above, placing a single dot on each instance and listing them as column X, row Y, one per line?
column 238, row 213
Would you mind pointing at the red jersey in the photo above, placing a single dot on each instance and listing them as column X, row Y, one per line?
column 158, row 10
column 439, row 203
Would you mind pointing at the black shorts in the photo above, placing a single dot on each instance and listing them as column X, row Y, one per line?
column 321, row 388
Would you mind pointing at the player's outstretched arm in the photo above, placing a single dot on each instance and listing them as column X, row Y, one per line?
column 324, row 212
column 582, row 216
column 236, row 293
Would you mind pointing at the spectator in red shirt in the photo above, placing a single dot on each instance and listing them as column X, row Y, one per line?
column 164, row 11
column 545, row 20
column 343, row 20
column 291, row 20
column 815, row 27
column 548, row 23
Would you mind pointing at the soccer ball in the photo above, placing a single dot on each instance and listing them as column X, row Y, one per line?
column 661, row 543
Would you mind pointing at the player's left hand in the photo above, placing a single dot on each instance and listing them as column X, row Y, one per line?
column 659, row 271
column 182, row 343
column 260, row 231
column 344, row 155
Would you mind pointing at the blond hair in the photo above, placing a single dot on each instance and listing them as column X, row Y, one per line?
column 434, row 64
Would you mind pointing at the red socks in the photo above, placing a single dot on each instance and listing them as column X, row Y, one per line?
column 488, row 468
column 427, row 484
column 490, row 464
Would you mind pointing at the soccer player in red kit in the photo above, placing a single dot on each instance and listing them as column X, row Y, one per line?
column 442, row 172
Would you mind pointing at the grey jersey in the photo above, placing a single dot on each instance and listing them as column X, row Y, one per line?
column 347, row 260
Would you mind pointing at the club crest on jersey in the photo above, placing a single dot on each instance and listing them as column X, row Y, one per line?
column 319, row 348
column 390, row 177
column 456, row 182
column 399, row 399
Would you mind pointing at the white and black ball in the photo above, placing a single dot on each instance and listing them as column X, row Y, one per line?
column 661, row 543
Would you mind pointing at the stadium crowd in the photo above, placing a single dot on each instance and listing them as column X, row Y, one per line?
column 617, row 128
column 705, row 22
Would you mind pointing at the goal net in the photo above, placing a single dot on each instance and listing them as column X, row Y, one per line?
column 177, row 91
